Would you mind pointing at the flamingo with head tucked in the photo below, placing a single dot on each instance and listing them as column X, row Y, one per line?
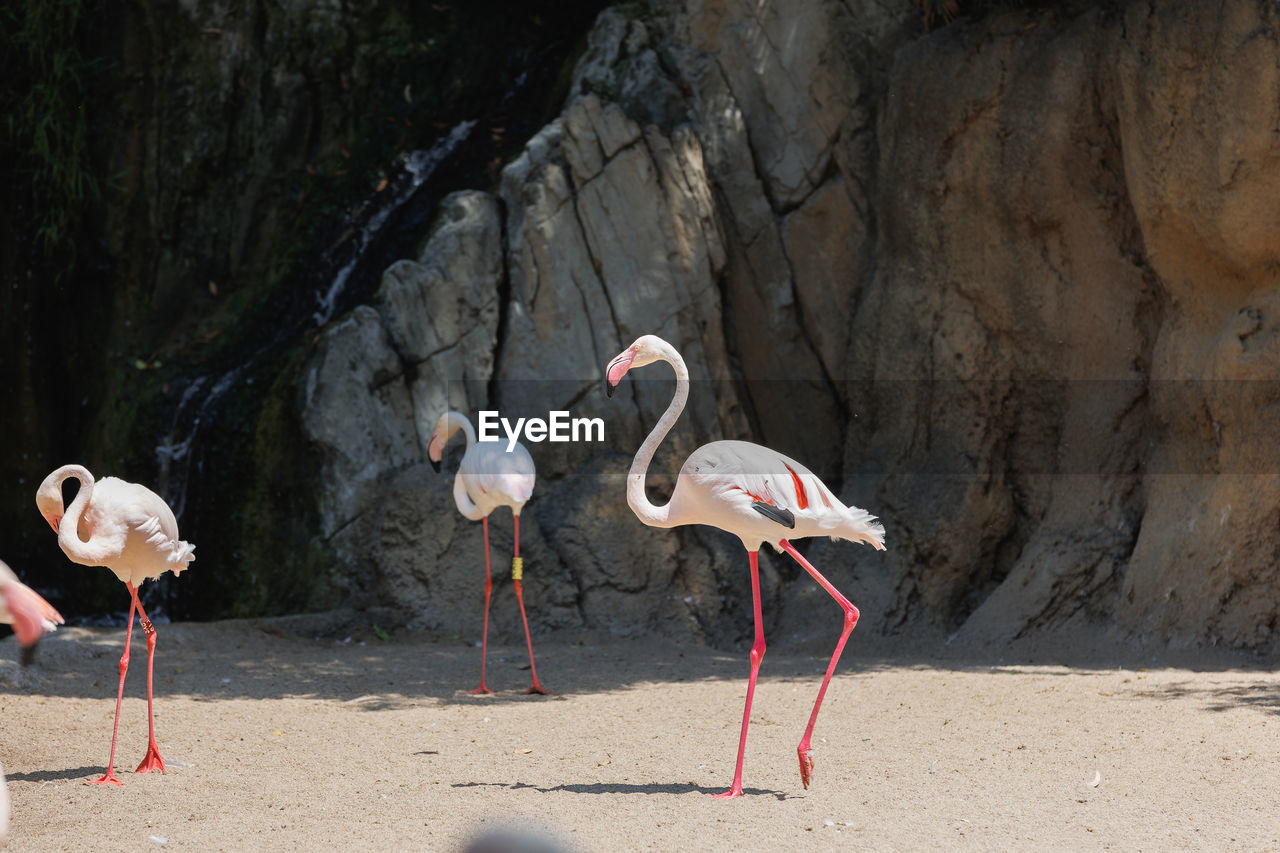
column 488, row 477
column 29, row 614
column 129, row 529
column 755, row 493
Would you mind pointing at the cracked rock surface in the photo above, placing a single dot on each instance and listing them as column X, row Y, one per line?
column 1010, row 285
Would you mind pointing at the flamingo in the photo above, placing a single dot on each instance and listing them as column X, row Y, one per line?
column 488, row 477
column 129, row 529
column 755, row 493
column 29, row 614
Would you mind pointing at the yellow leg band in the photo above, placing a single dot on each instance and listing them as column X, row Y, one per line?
column 517, row 568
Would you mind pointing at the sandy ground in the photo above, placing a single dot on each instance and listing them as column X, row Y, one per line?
column 278, row 735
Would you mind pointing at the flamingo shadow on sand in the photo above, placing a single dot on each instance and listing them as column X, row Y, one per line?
column 53, row 775
column 622, row 788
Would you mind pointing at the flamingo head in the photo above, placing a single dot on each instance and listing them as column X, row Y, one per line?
column 443, row 432
column 646, row 350
column 49, row 502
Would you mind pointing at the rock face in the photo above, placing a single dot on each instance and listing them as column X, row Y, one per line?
column 433, row 344
column 191, row 191
column 1068, row 259
column 1010, row 285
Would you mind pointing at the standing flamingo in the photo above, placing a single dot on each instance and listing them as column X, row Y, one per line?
column 755, row 493
column 488, row 477
column 29, row 614
column 129, row 529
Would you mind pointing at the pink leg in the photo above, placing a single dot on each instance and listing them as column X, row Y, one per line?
column 850, row 619
column 152, row 760
column 488, row 591
column 517, row 571
column 757, row 655
column 109, row 778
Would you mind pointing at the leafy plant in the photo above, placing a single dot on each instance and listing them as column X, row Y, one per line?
column 46, row 129
column 932, row 10
column 942, row 11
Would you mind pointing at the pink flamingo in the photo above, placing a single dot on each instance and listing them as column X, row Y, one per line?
column 488, row 477
column 129, row 529
column 755, row 493
column 29, row 614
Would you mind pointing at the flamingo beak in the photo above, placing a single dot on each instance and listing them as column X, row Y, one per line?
column 617, row 369
column 54, row 522
column 435, row 451
column 27, row 655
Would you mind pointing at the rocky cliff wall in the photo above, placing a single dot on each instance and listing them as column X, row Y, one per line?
column 1010, row 285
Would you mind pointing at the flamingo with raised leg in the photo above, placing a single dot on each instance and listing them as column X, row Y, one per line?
column 488, row 477
column 29, row 614
column 130, row 530
column 755, row 493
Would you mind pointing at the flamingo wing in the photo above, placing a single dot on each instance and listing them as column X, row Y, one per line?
column 747, row 473
column 493, row 470
column 123, row 509
column 757, row 480
column 785, row 517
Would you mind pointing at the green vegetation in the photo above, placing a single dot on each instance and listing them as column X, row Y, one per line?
column 45, row 143
column 938, row 12
column 117, row 296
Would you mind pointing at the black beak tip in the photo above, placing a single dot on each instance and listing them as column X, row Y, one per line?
column 608, row 389
column 435, row 465
column 28, row 655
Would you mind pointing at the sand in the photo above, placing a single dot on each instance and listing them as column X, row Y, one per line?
column 279, row 735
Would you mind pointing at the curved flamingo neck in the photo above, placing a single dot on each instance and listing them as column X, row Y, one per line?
column 86, row 553
column 458, row 421
column 452, row 422
column 466, row 506
column 645, row 510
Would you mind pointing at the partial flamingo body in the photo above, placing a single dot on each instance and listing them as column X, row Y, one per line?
column 490, row 476
column 757, row 494
column 129, row 529
column 29, row 614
